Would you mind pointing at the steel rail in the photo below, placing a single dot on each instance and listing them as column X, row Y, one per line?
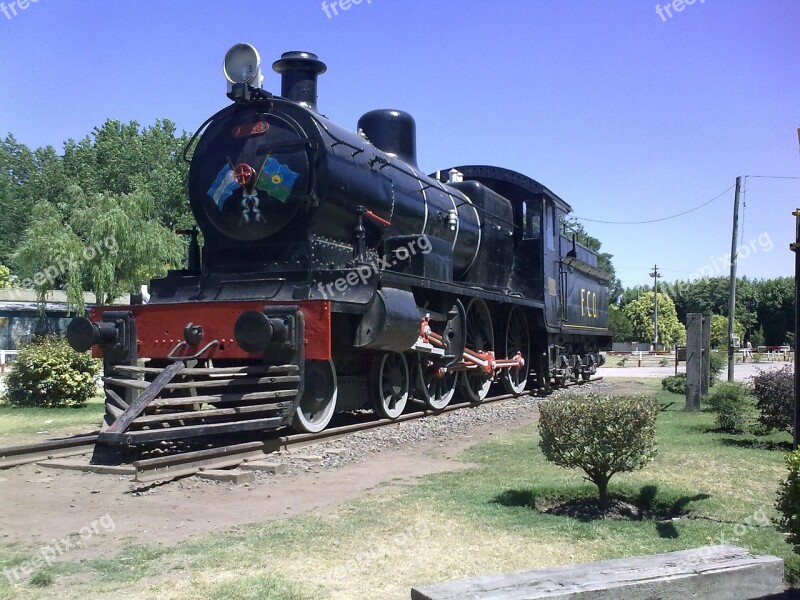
column 188, row 463
column 12, row 456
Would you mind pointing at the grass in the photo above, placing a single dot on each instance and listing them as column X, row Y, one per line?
column 459, row 524
column 17, row 423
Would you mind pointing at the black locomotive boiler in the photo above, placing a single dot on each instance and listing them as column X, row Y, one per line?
column 335, row 275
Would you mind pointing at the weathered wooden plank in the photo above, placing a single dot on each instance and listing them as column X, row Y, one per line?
column 86, row 467
column 174, row 433
column 168, row 467
column 222, row 398
column 710, row 572
column 249, row 370
column 137, row 406
column 114, row 398
column 205, row 383
column 205, row 414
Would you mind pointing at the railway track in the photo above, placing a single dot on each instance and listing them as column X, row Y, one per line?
column 184, row 464
column 12, row 456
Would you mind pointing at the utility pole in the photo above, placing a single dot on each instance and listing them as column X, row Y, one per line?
column 732, row 289
column 796, row 249
column 655, row 275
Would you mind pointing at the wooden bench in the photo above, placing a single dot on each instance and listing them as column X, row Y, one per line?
column 709, row 573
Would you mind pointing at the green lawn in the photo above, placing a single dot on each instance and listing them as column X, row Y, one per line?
column 18, row 425
column 463, row 523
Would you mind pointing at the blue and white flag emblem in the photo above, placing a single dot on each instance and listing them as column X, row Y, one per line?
column 222, row 188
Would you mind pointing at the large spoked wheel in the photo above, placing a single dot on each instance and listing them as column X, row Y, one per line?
column 318, row 403
column 390, row 384
column 474, row 384
column 436, row 391
column 517, row 340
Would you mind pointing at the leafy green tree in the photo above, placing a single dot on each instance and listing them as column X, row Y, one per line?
column 620, row 324
column 108, row 243
column 5, row 277
column 17, row 176
column 710, row 296
column 640, row 314
column 719, row 331
column 123, row 158
column 776, row 309
column 117, row 159
column 633, row 293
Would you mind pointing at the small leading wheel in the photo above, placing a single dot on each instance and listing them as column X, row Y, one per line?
column 318, row 403
column 517, row 340
column 389, row 384
column 436, row 391
column 474, row 384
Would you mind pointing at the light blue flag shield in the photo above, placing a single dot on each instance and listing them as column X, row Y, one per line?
column 222, row 188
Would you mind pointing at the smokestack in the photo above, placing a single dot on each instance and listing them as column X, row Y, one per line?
column 299, row 72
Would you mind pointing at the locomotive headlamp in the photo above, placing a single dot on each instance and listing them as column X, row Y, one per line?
column 242, row 64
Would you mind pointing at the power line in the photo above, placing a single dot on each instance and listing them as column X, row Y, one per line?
column 771, row 177
column 686, row 212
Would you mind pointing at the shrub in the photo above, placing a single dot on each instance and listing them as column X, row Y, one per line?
column 733, row 405
column 717, row 363
column 48, row 373
column 675, row 383
column 664, row 362
column 602, row 435
column 788, row 503
column 774, row 394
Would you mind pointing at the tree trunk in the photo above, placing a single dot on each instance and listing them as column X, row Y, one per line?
column 602, row 487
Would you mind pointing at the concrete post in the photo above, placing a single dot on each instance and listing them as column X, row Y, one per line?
column 694, row 360
column 705, row 379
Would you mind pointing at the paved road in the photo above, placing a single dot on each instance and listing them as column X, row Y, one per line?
column 741, row 372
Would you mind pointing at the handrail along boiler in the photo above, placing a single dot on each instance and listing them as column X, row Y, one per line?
column 335, row 275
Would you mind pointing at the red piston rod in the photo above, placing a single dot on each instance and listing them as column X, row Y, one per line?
column 472, row 359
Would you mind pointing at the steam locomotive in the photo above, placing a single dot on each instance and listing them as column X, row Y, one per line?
column 334, row 275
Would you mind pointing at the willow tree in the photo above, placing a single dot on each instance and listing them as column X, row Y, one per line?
column 106, row 243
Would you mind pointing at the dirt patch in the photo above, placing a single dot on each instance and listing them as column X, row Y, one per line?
column 41, row 505
column 589, row 509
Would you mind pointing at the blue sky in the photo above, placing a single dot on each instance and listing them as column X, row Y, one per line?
column 626, row 115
